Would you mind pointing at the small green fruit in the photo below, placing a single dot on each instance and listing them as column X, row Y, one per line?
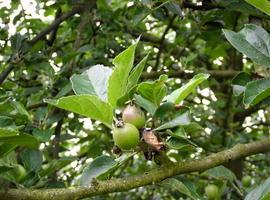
column 18, row 172
column 134, row 115
column 246, row 181
column 212, row 191
column 126, row 137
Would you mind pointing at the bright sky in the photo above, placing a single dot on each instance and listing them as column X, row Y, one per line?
column 31, row 8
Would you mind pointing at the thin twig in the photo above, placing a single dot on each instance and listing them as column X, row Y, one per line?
column 161, row 43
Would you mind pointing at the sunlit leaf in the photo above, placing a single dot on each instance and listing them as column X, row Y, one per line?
column 86, row 105
column 262, row 5
column 180, row 94
column 261, row 192
column 118, row 81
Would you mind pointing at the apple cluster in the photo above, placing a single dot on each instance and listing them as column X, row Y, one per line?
column 126, row 133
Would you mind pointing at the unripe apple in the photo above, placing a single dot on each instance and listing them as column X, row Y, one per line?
column 246, row 181
column 212, row 192
column 126, row 136
column 19, row 172
column 134, row 115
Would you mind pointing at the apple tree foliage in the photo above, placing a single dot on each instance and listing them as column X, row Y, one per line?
column 199, row 70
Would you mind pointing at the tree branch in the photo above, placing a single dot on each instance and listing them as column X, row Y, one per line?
column 162, row 40
column 148, row 178
column 4, row 74
column 203, row 7
column 55, row 24
column 53, row 33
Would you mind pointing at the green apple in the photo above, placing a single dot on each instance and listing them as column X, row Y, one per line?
column 126, row 136
column 212, row 191
column 19, row 172
column 134, row 115
column 246, row 181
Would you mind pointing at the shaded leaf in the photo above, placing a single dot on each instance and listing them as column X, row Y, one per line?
column 253, row 41
column 239, row 83
column 5, row 149
column 145, row 104
column 43, row 135
column 180, row 144
column 32, row 159
column 220, row 172
column 192, row 128
column 100, row 166
column 174, row 8
column 182, row 186
column 81, row 84
column 55, row 165
column 153, row 91
column 164, row 111
column 20, row 108
column 22, row 139
column 178, row 133
column 181, row 119
column 256, row 91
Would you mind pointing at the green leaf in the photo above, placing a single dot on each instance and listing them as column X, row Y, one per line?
column 185, row 187
column 239, row 83
column 55, row 165
column 193, row 128
column 20, row 108
column 180, row 144
column 145, row 104
column 178, row 133
column 181, row 119
column 99, row 76
column 98, row 167
column 5, row 149
column 221, row 173
column 8, row 131
column 165, row 110
column 261, row 192
column 43, row 135
column 32, row 159
column 256, row 91
column 174, row 8
column 253, row 41
column 25, row 140
column 86, row 105
column 5, row 167
column 102, row 167
column 118, row 81
column 180, row 94
column 7, row 122
column 92, row 81
column 136, row 73
column 153, row 91
column 5, row 107
column 263, row 5
column 81, row 84
column 132, row 82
